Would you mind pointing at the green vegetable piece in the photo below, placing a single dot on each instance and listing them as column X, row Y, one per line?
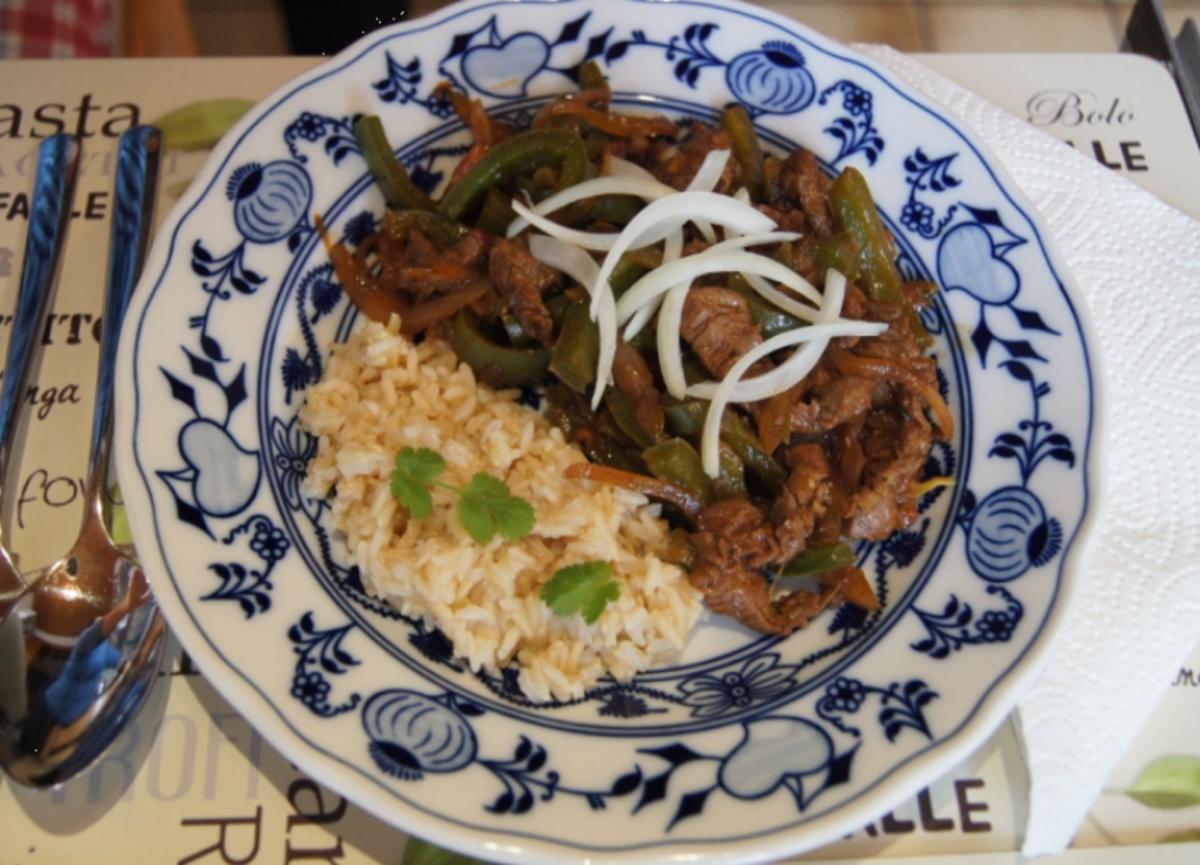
column 746, row 148
column 520, row 154
column 731, row 479
column 487, row 507
column 395, row 184
column 420, row 852
column 620, row 407
column 200, row 125
column 577, row 348
column 585, row 588
column 416, row 467
column 412, row 495
column 687, row 419
column 855, row 212
column 770, row 319
column 441, row 231
column 590, row 75
column 1168, row 782
column 420, row 464
column 496, row 213
column 818, row 560
column 495, row 364
column 839, row 252
column 676, row 461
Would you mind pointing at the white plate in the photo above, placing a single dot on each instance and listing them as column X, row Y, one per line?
column 752, row 746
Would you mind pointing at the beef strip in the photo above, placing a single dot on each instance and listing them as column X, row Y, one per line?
column 717, row 325
column 678, row 164
column 804, row 497
column 733, row 541
column 802, row 181
column 471, row 250
column 521, row 281
column 896, row 446
column 837, row 401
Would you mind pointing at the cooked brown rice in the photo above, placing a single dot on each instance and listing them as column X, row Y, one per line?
column 381, row 393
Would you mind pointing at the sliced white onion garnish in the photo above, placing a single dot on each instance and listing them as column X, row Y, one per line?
column 674, row 211
column 672, row 249
column 642, row 187
column 735, row 242
column 578, row 265
column 670, row 354
column 787, row 375
column 799, row 364
column 571, row 260
column 693, row 266
column 618, row 167
column 710, row 171
column 795, row 368
column 606, row 323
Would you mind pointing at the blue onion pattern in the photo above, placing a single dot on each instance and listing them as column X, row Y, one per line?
column 774, row 752
column 772, row 80
column 1009, row 533
column 269, row 201
column 412, row 734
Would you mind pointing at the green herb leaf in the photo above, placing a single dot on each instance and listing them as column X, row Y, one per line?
column 420, row 464
column 487, row 507
column 585, row 588
column 412, row 495
column 1168, row 782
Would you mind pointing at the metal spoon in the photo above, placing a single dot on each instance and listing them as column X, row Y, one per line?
column 92, row 636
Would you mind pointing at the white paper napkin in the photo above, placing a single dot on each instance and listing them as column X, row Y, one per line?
column 1136, row 262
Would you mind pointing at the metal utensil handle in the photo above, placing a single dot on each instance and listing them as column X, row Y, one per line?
column 58, row 159
column 138, row 156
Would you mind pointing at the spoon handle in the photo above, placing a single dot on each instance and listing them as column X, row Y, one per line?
column 138, row 156
column 57, row 161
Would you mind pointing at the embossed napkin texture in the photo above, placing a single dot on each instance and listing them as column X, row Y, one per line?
column 1136, row 263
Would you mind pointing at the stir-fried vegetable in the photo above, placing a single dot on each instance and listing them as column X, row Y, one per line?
column 393, row 181
column 496, row 364
column 856, row 213
column 520, row 154
column 679, row 332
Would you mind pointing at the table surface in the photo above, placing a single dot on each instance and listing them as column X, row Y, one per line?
column 191, row 781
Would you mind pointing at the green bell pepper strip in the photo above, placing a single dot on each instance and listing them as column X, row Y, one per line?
column 495, row 364
column 520, row 154
column 731, row 480
column 590, row 76
column 631, row 267
column 687, row 419
column 746, row 149
column 577, row 348
column 855, row 212
column 442, row 232
column 818, row 560
column 676, row 461
column 621, row 409
column 398, row 189
column 770, row 319
column 840, row 252
column 496, row 213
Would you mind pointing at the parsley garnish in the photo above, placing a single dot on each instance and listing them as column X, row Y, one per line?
column 416, row 467
column 485, row 505
column 584, row 588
